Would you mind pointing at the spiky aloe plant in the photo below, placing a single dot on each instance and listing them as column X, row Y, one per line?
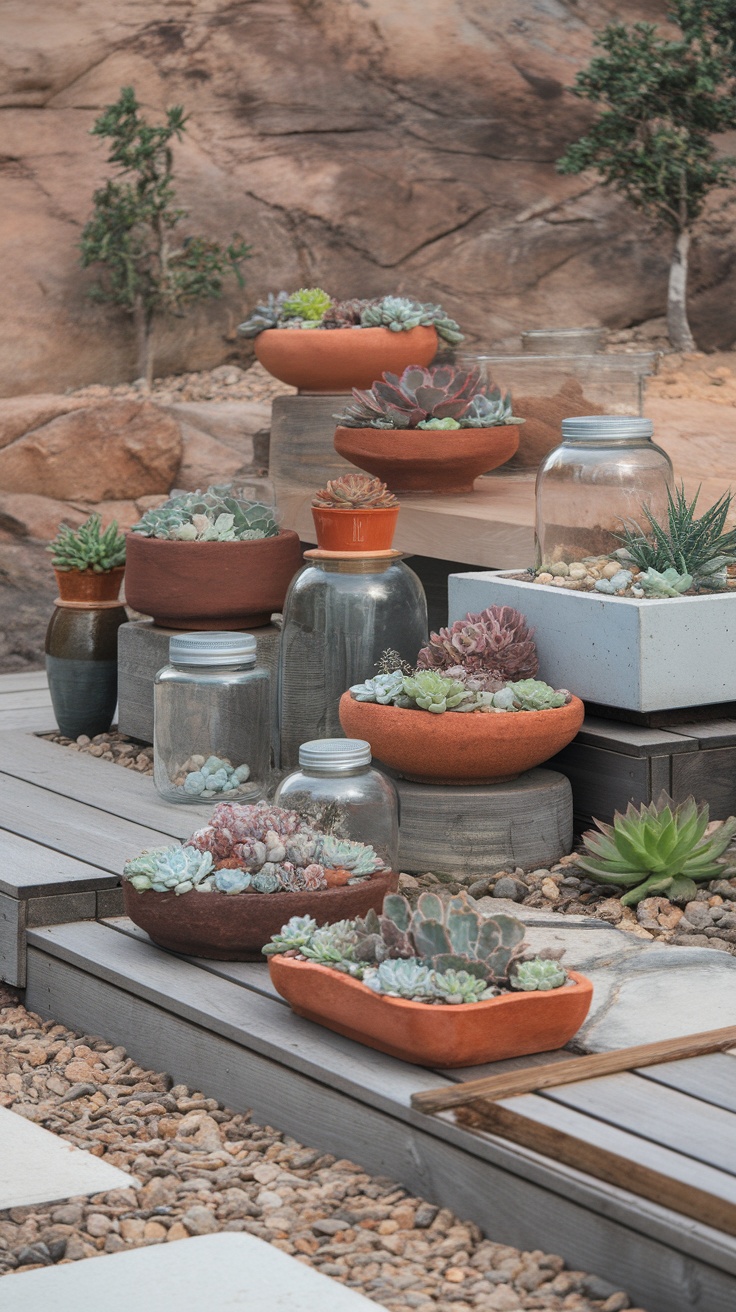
column 700, row 548
column 660, row 848
column 88, row 547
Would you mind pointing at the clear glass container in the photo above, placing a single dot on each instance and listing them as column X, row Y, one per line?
column 336, row 788
column 341, row 613
column 212, row 720
column 545, row 389
column 606, row 469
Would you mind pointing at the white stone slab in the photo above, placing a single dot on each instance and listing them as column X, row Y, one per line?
column 223, row 1272
column 637, row 655
column 37, row 1166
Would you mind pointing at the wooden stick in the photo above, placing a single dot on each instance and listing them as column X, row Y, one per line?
column 604, row 1164
column 577, row 1068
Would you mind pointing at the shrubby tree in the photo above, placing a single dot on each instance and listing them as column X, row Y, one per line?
column 663, row 98
column 146, row 269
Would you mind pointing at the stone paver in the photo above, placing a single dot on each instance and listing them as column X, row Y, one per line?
column 39, row 1167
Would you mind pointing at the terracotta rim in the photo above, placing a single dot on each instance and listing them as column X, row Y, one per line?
column 355, row 530
column 339, row 359
column 85, row 585
column 428, row 461
column 475, row 748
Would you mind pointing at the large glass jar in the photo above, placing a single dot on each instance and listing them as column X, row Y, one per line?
column 212, row 720
column 336, row 788
column 342, row 611
column 605, row 472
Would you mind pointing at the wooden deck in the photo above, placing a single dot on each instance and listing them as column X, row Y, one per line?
column 67, row 824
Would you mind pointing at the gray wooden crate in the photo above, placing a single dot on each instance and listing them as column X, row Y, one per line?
column 611, row 763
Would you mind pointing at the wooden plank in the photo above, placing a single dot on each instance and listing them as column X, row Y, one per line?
column 23, row 680
column 25, row 699
column 12, row 940
column 34, row 720
column 517, row 1197
column 711, row 733
column 610, row 1154
column 710, row 775
column 29, row 869
column 711, row 1079
column 72, row 828
column 631, row 739
column 602, row 781
column 575, row 1069
column 60, row 908
column 102, row 784
column 250, row 974
column 659, row 1114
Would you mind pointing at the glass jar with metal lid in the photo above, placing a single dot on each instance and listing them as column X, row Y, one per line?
column 606, row 470
column 337, row 789
column 212, row 720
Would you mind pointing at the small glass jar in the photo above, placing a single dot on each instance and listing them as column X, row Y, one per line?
column 605, row 472
column 336, row 788
column 212, row 720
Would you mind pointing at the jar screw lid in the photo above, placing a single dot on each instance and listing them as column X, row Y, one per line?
column 216, row 648
column 335, row 753
column 600, row 427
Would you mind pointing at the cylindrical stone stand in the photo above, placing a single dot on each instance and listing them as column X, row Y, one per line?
column 484, row 828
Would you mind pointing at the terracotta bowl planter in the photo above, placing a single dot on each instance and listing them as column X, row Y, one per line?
column 317, row 360
column 354, row 530
column 434, row 1035
column 210, row 585
column 476, row 748
column 235, row 926
column 86, row 586
column 425, row 461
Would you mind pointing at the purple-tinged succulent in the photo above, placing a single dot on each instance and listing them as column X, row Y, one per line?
column 494, row 647
column 442, row 396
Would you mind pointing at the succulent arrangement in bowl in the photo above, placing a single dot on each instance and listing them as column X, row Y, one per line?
column 355, row 513
column 417, row 983
column 210, row 560
column 321, row 344
column 249, row 850
column 89, row 562
column 399, row 428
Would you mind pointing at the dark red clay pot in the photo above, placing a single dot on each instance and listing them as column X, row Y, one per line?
column 411, row 460
column 354, row 529
column 235, row 926
column 335, row 360
column 475, row 748
column 86, row 586
column 210, row 585
column 434, row 1035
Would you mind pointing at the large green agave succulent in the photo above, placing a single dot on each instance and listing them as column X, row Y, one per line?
column 660, row 848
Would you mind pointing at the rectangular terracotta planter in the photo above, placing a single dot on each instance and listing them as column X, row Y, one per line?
column 438, row 1035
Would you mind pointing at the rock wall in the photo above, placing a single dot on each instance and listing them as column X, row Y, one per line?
column 366, row 145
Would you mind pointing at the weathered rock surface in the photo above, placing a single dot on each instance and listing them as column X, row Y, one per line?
column 368, row 147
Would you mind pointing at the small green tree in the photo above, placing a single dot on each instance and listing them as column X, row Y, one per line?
column 146, row 270
column 663, row 99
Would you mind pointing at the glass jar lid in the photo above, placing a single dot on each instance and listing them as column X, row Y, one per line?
column 335, row 755
column 605, row 428
column 215, row 648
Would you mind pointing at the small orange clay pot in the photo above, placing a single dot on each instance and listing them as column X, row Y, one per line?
column 235, row 926
column 86, row 585
column 412, row 460
column 210, row 585
column 441, row 1034
column 334, row 360
column 354, row 529
column 478, row 747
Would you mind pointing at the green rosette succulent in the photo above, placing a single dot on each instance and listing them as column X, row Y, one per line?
column 309, row 304
column 535, row 695
column 430, row 691
column 540, row 974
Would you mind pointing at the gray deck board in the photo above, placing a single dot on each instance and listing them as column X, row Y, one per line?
column 711, row 1079
column 22, row 681
column 28, row 869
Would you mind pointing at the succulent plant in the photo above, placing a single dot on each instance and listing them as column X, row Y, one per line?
column 264, row 316
column 386, row 689
column 232, row 881
column 345, row 314
column 345, row 854
column 459, row 987
column 402, row 979
column 652, row 848
column 211, row 516
column 539, row 974
column 698, row 547
column 431, row 691
column 535, row 695
column 442, row 396
column 400, row 314
column 668, row 583
column 495, row 647
column 309, row 304
column 163, row 869
column 294, row 935
column 331, row 944
column 88, row 547
column 355, row 492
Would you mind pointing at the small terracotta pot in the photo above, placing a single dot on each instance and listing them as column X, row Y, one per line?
column 235, row 926
column 441, row 1034
column 412, row 460
column 210, row 585
column 473, row 748
column 354, row 530
column 86, row 585
column 334, row 360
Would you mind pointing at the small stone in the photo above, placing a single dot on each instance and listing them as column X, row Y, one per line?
column 176, row 1231
column 425, row 1215
column 98, row 1225
column 559, row 570
column 154, row 1232
column 618, row 1302
column 697, row 915
column 70, row 1214
column 132, row 1229
column 610, row 570
column 455, row 1275
column 510, row 887
column 76, row 1249
column 35, row 1253
column 550, row 890
column 388, row 1227
column 544, row 577
column 329, row 1226
column 200, row 1221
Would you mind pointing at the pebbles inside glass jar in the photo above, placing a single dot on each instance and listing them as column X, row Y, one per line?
column 212, row 720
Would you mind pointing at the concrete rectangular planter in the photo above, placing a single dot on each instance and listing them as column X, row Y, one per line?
column 636, row 655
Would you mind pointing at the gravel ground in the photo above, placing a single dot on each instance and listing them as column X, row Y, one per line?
column 226, row 383
column 204, row 1168
column 708, row 921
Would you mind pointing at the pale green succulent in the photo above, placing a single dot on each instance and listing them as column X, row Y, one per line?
column 386, row 689
column 431, row 691
column 309, row 304
column 670, row 583
column 232, row 881
column 264, row 316
column 332, row 944
column 212, row 516
column 438, row 424
column 163, row 869
column 535, row 695
column 540, row 974
column 402, row 979
column 268, row 879
column 88, row 547
column 489, row 411
column 296, row 934
column 401, row 314
column 345, row 854
column 456, row 986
